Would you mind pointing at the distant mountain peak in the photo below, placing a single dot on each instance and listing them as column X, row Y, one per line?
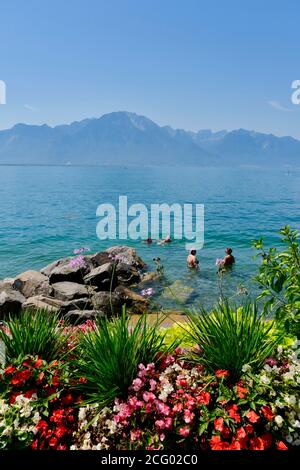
column 124, row 137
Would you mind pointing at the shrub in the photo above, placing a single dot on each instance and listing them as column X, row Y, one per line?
column 229, row 337
column 34, row 333
column 109, row 356
column 279, row 280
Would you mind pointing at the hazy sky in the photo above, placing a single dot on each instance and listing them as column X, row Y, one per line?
column 187, row 63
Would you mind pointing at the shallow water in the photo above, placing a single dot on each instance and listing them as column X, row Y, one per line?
column 46, row 212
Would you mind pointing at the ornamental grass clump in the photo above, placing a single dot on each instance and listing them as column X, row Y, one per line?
column 227, row 338
column 108, row 357
column 34, row 333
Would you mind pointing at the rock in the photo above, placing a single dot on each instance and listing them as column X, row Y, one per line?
column 101, row 277
column 178, row 291
column 136, row 303
column 7, row 283
column 150, row 277
column 31, row 283
column 62, row 270
column 98, row 259
column 125, row 255
column 127, row 274
column 69, row 290
column 107, row 303
column 81, row 316
column 84, row 303
column 42, row 302
column 11, row 302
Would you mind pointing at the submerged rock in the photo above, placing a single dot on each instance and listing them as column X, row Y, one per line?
column 178, row 292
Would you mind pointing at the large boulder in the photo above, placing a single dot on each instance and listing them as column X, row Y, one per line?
column 98, row 259
column 11, row 302
column 125, row 255
column 84, row 303
column 69, row 290
column 127, row 274
column 81, row 316
column 103, row 277
column 31, row 283
column 107, row 303
column 65, row 270
column 135, row 303
column 42, row 302
column 7, row 283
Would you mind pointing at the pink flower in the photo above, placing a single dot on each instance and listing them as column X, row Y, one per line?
column 178, row 407
column 162, row 408
column 160, row 424
column 168, row 423
column 184, row 431
column 137, row 384
column 153, row 384
column 135, row 434
column 149, row 397
column 188, row 416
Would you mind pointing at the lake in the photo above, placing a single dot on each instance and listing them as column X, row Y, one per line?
column 47, row 212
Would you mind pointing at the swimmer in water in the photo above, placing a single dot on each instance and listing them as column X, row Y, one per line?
column 192, row 260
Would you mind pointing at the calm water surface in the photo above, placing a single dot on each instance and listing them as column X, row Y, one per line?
column 46, row 212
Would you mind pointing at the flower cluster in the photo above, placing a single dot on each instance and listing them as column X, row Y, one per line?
column 177, row 405
column 18, row 422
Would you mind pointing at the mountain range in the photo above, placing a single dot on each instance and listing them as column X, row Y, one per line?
column 123, row 138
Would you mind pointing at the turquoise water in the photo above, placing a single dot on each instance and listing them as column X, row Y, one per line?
column 46, row 212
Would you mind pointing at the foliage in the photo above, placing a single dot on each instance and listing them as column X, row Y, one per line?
column 108, row 357
column 279, row 279
column 34, row 333
column 227, row 338
column 176, row 334
column 176, row 406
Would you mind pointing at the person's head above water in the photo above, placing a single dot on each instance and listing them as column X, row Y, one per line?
column 193, row 252
column 228, row 251
column 168, row 238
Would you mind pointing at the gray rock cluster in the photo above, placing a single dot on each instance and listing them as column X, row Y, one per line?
column 97, row 285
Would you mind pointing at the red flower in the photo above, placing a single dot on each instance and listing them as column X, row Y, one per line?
column 60, row 431
column 184, row 431
column 226, row 432
column 9, row 370
column 203, row 398
column 38, row 363
column 54, row 363
column 241, row 390
column 34, row 445
column 267, row 440
column 13, row 397
column 249, row 429
column 61, row 447
column 55, row 380
column 280, row 445
column 217, row 444
column 67, row 399
column 252, row 416
column 20, row 377
column 232, row 411
column 219, row 424
column 235, row 445
column 42, row 425
column 222, row 373
column 29, row 393
column 82, row 380
column 256, row 443
column 267, row 412
column 241, row 433
column 53, row 442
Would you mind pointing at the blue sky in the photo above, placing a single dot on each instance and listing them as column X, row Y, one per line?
column 188, row 63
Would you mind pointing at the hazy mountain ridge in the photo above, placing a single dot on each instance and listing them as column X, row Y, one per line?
column 127, row 138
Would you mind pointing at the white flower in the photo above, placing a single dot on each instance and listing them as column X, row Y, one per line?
column 36, row 417
column 265, row 380
column 296, row 442
column 289, row 439
column 246, row 368
column 278, row 420
column 81, row 414
column 290, row 400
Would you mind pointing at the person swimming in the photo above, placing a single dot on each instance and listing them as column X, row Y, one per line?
column 229, row 259
column 168, row 239
column 148, row 241
column 192, row 260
